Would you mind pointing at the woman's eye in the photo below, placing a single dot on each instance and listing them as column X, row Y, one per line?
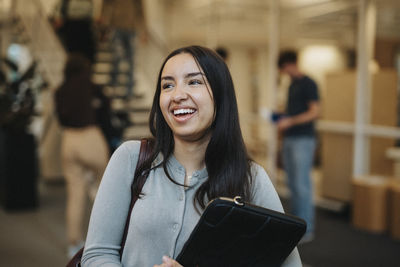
column 166, row 86
column 195, row 82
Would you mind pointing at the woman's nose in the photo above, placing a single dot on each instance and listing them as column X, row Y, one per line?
column 179, row 93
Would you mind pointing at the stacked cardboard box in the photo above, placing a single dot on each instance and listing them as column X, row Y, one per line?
column 337, row 147
column 370, row 203
column 376, row 204
column 394, row 208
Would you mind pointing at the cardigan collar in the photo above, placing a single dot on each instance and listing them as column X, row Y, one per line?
column 176, row 167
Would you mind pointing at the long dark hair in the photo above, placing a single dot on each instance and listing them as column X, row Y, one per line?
column 226, row 158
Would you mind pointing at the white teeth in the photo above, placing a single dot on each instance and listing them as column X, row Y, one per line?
column 183, row 111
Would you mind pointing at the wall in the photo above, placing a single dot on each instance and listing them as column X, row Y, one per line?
column 319, row 60
column 239, row 67
column 151, row 50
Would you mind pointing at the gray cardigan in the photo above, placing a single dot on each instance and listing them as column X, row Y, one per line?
column 162, row 220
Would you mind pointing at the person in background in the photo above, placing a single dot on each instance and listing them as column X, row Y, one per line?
column 74, row 23
column 222, row 52
column 199, row 154
column 125, row 20
column 299, row 141
column 84, row 149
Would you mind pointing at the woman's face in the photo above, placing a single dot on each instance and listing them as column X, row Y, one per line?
column 186, row 99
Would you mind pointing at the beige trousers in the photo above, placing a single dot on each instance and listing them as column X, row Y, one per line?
column 84, row 158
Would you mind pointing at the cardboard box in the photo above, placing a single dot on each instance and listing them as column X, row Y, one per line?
column 394, row 208
column 337, row 162
column 370, row 203
column 337, row 148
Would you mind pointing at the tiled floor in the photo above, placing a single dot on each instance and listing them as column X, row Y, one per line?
column 35, row 238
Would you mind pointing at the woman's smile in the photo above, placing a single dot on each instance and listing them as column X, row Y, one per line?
column 182, row 114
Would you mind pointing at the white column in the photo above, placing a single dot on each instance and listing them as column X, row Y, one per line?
column 365, row 45
column 273, row 51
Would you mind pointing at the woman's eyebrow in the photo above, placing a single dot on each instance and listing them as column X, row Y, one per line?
column 192, row 74
column 167, row 78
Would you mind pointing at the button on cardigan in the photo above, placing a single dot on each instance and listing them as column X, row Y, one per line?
column 162, row 220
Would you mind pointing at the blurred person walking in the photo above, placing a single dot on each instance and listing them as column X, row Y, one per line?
column 299, row 141
column 74, row 24
column 84, row 149
column 124, row 18
column 222, row 52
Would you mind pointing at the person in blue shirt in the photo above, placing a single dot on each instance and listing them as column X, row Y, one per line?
column 299, row 140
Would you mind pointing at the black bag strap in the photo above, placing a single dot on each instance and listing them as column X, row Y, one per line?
column 144, row 154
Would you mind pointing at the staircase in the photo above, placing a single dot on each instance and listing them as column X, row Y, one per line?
column 135, row 107
column 33, row 29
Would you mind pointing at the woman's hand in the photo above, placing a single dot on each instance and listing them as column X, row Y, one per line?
column 168, row 262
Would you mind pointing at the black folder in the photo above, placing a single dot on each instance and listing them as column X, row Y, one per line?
column 233, row 233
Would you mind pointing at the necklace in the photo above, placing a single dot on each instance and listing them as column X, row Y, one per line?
column 187, row 179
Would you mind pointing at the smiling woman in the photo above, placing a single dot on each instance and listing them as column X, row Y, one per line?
column 198, row 155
